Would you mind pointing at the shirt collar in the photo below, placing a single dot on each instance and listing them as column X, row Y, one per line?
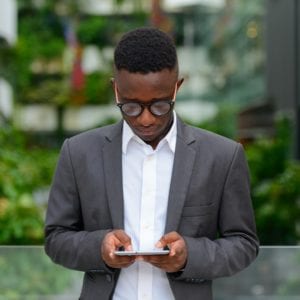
column 128, row 135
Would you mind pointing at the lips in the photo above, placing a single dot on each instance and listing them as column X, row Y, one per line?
column 145, row 132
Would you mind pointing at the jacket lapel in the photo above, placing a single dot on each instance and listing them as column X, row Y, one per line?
column 112, row 156
column 181, row 175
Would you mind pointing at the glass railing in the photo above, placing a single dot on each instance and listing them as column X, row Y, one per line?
column 274, row 275
column 26, row 273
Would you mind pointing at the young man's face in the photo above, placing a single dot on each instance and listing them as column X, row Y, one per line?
column 144, row 89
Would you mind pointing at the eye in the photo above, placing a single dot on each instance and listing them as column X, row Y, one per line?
column 161, row 107
column 131, row 108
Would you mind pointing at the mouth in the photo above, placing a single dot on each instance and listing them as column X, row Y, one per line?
column 145, row 132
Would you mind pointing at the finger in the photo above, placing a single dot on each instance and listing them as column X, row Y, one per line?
column 120, row 262
column 178, row 248
column 167, row 239
column 112, row 241
column 123, row 238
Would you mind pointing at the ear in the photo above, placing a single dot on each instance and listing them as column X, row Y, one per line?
column 179, row 83
column 112, row 81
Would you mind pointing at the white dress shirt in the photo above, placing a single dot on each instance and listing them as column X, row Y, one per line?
column 146, row 183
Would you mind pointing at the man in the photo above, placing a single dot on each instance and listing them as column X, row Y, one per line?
column 150, row 182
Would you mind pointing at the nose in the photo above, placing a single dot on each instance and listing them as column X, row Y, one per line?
column 146, row 118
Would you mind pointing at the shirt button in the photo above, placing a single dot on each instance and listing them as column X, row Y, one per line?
column 146, row 226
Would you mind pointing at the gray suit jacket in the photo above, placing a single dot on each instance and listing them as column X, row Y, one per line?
column 209, row 205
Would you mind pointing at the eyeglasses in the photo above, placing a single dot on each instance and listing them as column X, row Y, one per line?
column 157, row 108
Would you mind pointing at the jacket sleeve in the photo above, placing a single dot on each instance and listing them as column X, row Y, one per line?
column 66, row 242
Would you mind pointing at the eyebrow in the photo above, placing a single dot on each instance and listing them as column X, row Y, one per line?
column 150, row 101
column 137, row 100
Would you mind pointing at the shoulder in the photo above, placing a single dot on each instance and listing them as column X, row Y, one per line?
column 209, row 136
column 95, row 137
column 207, row 142
column 200, row 135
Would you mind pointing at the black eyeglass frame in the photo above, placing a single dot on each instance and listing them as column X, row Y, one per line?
column 148, row 105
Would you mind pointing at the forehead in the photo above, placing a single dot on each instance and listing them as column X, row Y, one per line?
column 137, row 83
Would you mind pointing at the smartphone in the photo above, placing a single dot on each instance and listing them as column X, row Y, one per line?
column 134, row 253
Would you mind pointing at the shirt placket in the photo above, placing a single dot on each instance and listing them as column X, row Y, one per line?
column 147, row 217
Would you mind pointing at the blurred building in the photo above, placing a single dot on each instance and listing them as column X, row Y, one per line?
column 283, row 60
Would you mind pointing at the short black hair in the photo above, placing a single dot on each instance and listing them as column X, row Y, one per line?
column 145, row 50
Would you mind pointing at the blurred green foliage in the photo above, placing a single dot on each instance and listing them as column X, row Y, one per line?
column 40, row 65
column 93, row 31
column 23, row 170
column 51, row 90
column 40, row 38
column 224, row 122
column 98, row 89
column 234, row 41
column 275, row 181
column 105, row 30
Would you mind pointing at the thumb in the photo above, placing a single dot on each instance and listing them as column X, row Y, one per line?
column 163, row 242
column 167, row 239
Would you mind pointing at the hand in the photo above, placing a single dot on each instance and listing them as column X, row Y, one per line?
column 177, row 257
column 112, row 242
